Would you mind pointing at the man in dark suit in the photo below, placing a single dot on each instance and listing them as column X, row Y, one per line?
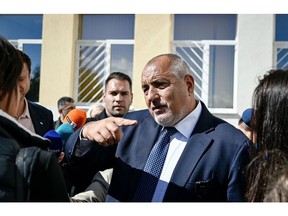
column 33, row 116
column 206, row 156
column 117, row 99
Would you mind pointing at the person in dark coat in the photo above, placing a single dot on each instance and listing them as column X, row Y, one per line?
column 43, row 179
column 117, row 98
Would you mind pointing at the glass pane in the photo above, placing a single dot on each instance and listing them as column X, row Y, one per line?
column 194, row 58
column 34, row 52
column 108, row 26
column 122, row 59
column 282, row 58
column 281, row 33
column 221, row 76
column 14, row 27
column 205, row 27
column 21, row 26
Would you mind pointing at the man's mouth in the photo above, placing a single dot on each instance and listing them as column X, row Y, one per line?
column 158, row 108
column 118, row 107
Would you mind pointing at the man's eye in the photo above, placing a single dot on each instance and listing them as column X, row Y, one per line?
column 144, row 89
column 113, row 93
column 161, row 85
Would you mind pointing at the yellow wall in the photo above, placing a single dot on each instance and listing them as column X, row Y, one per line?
column 60, row 33
column 153, row 36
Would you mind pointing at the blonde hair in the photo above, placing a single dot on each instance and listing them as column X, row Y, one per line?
column 95, row 109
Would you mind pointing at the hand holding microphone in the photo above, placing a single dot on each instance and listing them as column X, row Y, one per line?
column 56, row 142
column 75, row 119
column 58, row 139
column 65, row 130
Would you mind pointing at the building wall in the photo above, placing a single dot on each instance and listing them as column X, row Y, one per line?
column 153, row 36
column 255, row 36
column 60, row 33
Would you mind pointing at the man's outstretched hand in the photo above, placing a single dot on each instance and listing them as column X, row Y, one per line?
column 106, row 131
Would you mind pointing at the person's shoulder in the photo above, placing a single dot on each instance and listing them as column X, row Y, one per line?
column 220, row 125
column 100, row 116
column 37, row 106
column 138, row 114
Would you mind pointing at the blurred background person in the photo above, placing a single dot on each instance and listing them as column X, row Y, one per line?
column 95, row 109
column 117, row 98
column 65, row 104
column 38, row 172
column 31, row 115
column 244, row 122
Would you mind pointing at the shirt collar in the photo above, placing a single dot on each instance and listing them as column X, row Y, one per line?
column 26, row 113
column 187, row 125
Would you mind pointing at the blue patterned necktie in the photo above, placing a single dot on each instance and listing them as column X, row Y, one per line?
column 153, row 167
column 158, row 154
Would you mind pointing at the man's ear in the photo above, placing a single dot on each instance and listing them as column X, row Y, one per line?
column 189, row 80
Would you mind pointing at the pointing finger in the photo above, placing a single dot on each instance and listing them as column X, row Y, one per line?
column 124, row 122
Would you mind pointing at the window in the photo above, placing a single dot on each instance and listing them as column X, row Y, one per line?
column 207, row 43
column 281, row 38
column 106, row 45
column 25, row 32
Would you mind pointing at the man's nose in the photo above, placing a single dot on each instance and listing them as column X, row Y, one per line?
column 152, row 94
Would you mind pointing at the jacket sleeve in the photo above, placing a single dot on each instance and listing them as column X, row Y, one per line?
column 82, row 167
column 237, row 183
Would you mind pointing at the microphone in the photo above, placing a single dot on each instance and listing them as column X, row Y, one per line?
column 65, row 130
column 76, row 118
column 59, row 137
column 56, row 142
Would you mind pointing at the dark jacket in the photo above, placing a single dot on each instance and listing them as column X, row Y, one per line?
column 47, row 181
column 42, row 118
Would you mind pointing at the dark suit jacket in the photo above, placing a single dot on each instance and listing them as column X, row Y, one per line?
column 42, row 118
column 210, row 168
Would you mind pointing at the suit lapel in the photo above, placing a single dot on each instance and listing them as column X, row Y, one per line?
column 196, row 146
column 35, row 120
column 192, row 153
